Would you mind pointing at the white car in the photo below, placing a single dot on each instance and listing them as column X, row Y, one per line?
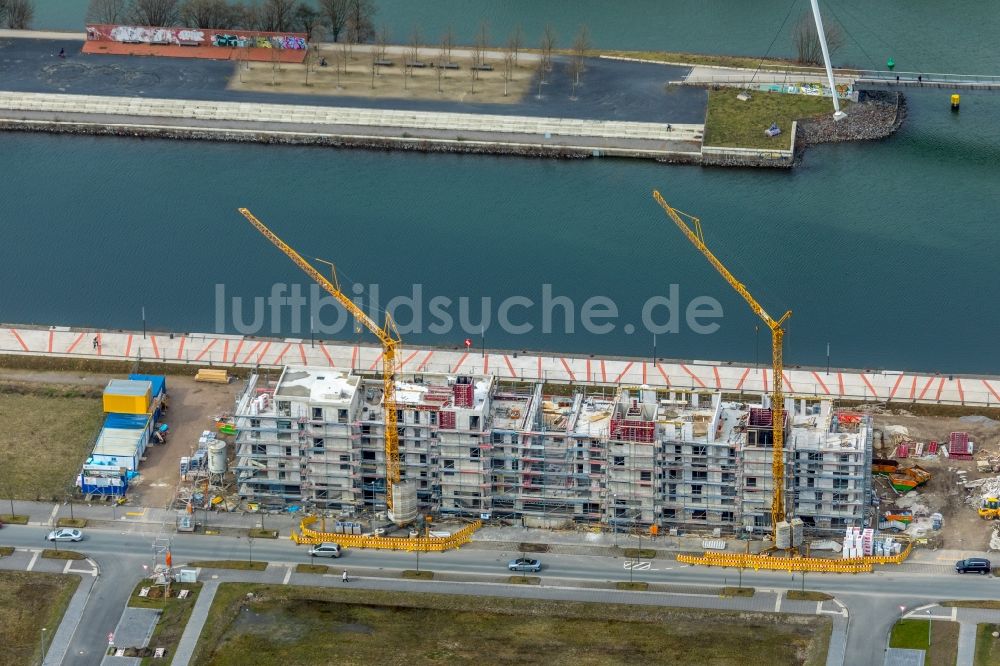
column 65, row 534
column 325, row 550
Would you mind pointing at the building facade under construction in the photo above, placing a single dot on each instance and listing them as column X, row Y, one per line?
column 479, row 446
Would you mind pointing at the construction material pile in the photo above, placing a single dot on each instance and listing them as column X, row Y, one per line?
column 859, row 543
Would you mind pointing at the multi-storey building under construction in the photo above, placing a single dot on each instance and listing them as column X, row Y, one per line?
column 476, row 445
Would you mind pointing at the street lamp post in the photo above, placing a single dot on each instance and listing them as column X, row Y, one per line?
column 41, row 659
column 930, row 628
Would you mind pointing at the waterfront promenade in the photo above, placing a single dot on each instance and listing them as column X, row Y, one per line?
column 208, row 349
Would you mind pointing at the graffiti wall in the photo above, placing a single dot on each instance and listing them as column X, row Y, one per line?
column 259, row 40
column 133, row 34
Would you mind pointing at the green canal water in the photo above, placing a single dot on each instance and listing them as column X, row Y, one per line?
column 923, row 35
column 887, row 251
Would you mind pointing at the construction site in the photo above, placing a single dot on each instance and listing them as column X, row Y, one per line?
column 474, row 447
column 419, row 460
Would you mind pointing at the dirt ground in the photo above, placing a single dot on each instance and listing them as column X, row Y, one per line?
column 421, row 83
column 192, row 406
column 944, row 493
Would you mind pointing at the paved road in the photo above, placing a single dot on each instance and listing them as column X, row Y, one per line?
column 612, row 90
column 873, row 600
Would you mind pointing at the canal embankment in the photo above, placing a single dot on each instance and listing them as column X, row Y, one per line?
column 344, row 126
column 61, row 347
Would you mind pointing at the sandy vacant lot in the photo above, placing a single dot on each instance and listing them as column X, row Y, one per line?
column 351, row 75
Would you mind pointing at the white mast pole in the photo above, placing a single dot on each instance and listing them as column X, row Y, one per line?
column 821, row 34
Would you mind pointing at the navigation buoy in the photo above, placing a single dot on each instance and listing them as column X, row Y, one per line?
column 890, row 63
column 955, row 101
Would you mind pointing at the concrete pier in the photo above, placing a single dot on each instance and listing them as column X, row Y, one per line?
column 459, row 131
column 239, row 351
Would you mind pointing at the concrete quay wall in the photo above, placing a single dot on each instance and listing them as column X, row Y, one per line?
column 417, row 130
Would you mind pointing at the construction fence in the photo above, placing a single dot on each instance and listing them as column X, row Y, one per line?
column 307, row 535
column 864, row 564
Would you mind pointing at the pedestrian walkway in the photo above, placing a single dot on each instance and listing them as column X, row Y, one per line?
column 412, row 121
column 968, row 620
column 189, row 639
column 210, row 349
column 70, row 621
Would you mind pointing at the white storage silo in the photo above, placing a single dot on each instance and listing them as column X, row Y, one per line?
column 217, row 457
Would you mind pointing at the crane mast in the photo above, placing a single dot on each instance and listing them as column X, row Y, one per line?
column 387, row 335
column 777, row 342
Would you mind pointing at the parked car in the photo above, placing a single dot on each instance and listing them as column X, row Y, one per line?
column 524, row 564
column 977, row 565
column 325, row 550
column 65, row 534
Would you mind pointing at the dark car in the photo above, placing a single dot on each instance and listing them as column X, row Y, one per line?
column 977, row 565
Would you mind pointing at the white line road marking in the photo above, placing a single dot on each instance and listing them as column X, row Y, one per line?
column 66, row 568
column 636, row 566
column 52, row 516
column 819, row 607
column 34, row 558
column 954, row 613
column 777, row 603
column 288, row 575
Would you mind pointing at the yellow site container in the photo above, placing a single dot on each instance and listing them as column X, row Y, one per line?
column 126, row 396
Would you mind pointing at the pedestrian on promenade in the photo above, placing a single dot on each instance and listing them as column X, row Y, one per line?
column 344, row 576
column 62, row 53
column 95, row 342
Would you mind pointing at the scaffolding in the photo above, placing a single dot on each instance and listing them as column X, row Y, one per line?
column 478, row 448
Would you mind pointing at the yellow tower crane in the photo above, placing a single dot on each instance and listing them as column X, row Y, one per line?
column 777, row 341
column 387, row 335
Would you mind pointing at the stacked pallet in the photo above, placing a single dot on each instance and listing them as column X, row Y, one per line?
column 213, row 376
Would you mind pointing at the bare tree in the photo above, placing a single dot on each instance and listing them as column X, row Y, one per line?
column 806, row 40
column 384, row 36
column 378, row 53
column 311, row 60
column 413, row 54
column 477, row 57
column 275, row 64
column 509, row 58
column 516, row 42
column 548, row 45
column 16, row 14
column 206, row 14
column 334, row 12
column 107, row 11
column 482, row 43
column 307, row 18
column 361, row 15
column 247, row 17
column 346, row 51
column 580, row 47
column 278, row 15
column 447, row 43
column 154, row 12
column 443, row 53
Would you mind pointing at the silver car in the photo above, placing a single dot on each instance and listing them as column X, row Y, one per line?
column 524, row 564
column 325, row 550
column 65, row 534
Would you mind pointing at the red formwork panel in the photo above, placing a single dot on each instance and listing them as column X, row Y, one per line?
column 629, row 430
column 446, row 420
